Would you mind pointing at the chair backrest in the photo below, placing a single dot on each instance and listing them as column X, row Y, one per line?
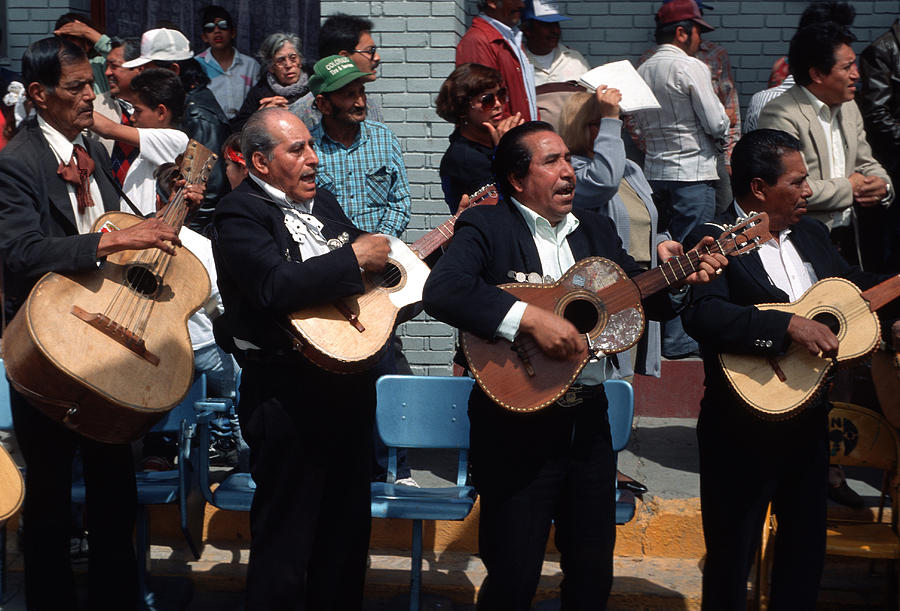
column 184, row 411
column 6, row 423
column 423, row 411
column 861, row 437
column 620, row 396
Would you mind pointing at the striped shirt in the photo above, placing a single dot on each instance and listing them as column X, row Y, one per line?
column 761, row 98
column 368, row 177
column 684, row 137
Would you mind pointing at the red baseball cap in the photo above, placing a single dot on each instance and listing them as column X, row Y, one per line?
column 682, row 10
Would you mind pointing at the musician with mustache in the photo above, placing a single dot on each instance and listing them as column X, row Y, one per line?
column 54, row 183
column 557, row 464
column 745, row 461
column 279, row 248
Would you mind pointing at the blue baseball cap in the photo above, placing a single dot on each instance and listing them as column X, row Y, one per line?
column 543, row 10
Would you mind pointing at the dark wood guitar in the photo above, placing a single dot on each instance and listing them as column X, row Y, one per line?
column 107, row 352
column 352, row 333
column 603, row 304
column 779, row 387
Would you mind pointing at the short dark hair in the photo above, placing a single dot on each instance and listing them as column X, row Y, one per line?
column 192, row 74
column 841, row 13
column 665, row 32
column 512, row 157
column 466, row 81
column 814, row 47
column 758, row 154
column 155, row 86
column 132, row 49
column 43, row 60
column 341, row 32
column 209, row 12
column 70, row 17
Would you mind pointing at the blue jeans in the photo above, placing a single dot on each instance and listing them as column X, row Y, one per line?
column 684, row 205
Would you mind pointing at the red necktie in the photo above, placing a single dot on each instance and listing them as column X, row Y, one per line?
column 78, row 172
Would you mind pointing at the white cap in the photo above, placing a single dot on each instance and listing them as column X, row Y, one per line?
column 161, row 45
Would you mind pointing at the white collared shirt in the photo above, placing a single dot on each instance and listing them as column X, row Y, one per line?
column 303, row 226
column 63, row 149
column 685, row 135
column 830, row 121
column 556, row 259
column 560, row 65
column 783, row 264
column 514, row 38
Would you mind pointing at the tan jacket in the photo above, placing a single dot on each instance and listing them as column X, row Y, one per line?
column 831, row 198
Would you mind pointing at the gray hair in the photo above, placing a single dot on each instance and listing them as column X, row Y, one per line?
column 257, row 137
column 272, row 44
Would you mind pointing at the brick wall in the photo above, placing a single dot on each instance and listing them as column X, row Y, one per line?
column 30, row 20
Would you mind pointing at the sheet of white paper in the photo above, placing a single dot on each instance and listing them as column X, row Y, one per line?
column 636, row 95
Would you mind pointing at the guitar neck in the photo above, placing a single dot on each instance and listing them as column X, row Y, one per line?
column 883, row 293
column 435, row 238
column 673, row 271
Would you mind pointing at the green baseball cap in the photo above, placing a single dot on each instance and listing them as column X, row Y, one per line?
column 333, row 72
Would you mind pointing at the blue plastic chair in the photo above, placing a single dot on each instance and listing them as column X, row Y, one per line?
column 180, row 485
column 422, row 412
column 235, row 492
column 620, row 396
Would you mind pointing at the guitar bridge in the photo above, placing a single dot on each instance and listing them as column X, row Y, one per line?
column 117, row 332
column 522, row 353
column 347, row 313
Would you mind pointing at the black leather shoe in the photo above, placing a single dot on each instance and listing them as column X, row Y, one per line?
column 636, row 488
column 845, row 495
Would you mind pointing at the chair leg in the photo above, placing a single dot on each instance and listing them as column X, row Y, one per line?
column 415, row 584
column 142, row 545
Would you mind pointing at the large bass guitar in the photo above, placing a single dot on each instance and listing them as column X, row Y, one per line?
column 781, row 386
column 107, row 352
column 603, row 304
column 352, row 333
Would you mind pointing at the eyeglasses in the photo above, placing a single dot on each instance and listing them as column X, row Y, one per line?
column 286, row 60
column 371, row 51
column 488, row 100
column 222, row 24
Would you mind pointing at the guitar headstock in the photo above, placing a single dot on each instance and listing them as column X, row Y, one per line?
column 745, row 235
column 197, row 162
column 486, row 195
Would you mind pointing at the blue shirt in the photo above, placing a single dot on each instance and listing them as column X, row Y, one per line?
column 368, row 177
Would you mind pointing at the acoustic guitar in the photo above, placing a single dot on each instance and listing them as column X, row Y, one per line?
column 351, row 334
column 603, row 303
column 12, row 487
column 779, row 387
column 107, row 352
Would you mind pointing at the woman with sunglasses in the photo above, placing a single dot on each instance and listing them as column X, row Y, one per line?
column 474, row 100
column 282, row 81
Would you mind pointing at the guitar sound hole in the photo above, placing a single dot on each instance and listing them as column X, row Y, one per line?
column 829, row 320
column 142, row 280
column 581, row 313
column 391, row 276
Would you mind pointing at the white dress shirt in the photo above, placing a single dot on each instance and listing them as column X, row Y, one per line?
column 556, row 259
column 298, row 218
column 684, row 136
column 560, row 65
column 63, row 149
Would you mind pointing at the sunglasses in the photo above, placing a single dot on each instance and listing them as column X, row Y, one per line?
column 488, row 100
column 222, row 24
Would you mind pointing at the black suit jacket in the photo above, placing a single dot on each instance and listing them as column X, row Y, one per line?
column 722, row 316
column 261, row 275
column 37, row 224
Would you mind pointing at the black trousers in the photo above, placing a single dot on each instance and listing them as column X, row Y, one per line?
column 48, row 449
column 558, row 466
column 745, row 463
column 310, row 438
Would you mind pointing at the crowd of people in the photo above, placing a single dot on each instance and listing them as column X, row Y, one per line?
column 297, row 214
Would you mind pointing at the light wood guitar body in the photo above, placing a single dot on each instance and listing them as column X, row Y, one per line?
column 12, row 488
column 779, row 387
column 83, row 377
column 351, row 334
column 599, row 299
column 337, row 344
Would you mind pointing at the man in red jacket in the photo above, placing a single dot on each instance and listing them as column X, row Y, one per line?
column 494, row 41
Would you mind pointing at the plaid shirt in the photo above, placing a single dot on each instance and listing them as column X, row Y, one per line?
column 716, row 57
column 368, row 177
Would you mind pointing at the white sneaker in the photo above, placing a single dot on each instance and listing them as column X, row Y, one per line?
column 407, row 481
